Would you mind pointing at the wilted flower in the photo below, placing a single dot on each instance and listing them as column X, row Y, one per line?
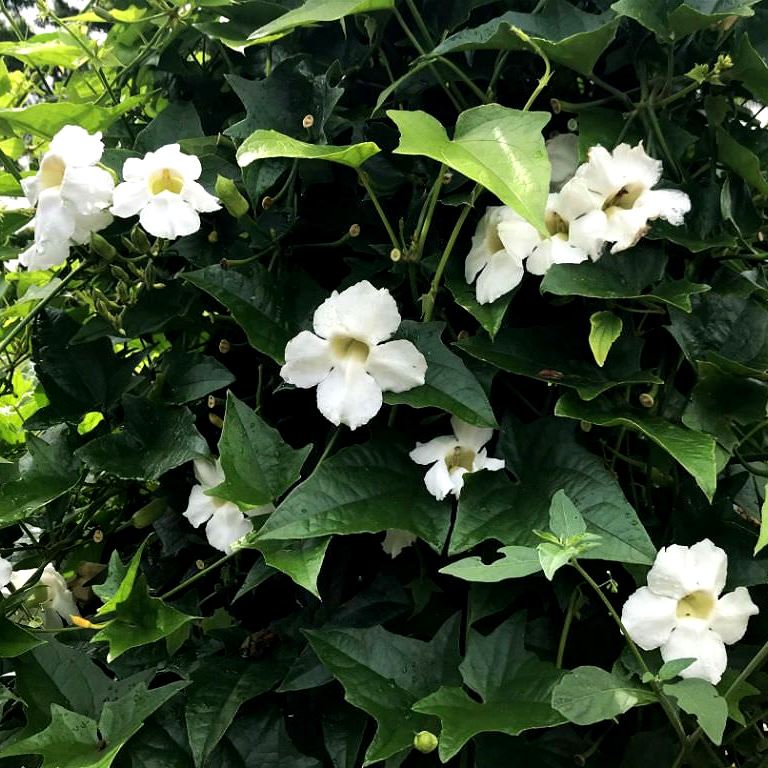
column 225, row 522
column 563, row 153
column 618, row 188
column 395, row 541
column 682, row 613
column 452, row 456
column 71, row 194
column 57, row 604
column 162, row 188
column 348, row 358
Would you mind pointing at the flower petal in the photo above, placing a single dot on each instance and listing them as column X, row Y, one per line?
column 470, row 436
column 649, row 618
column 171, row 156
column 624, row 227
column 668, row 204
column 575, row 199
column 129, row 198
column 438, row 480
column 349, row 396
column 361, row 312
column 678, row 571
column 554, row 250
column 434, row 450
column 200, row 507
column 701, row 644
column 636, row 165
column 226, row 526
column 731, row 615
column 483, row 461
column 6, row 569
column 199, row 199
column 76, row 146
column 503, row 273
column 87, row 189
column 208, row 472
column 396, row 365
column 60, row 600
column 563, row 152
column 307, row 360
column 457, row 479
column 588, row 232
column 167, row 215
column 88, row 223
column 396, row 541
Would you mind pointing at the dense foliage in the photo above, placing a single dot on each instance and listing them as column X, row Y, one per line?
column 414, row 526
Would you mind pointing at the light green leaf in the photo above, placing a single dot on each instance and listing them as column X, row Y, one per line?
column 548, row 458
column 566, row 34
column 258, row 465
column 515, row 563
column 313, row 12
column 513, row 686
column 605, row 329
column 671, row 669
column 588, row 695
column 448, row 385
column 762, row 539
column 701, row 699
column 386, row 674
column 553, row 557
column 50, row 49
column 500, row 148
column 564, row 519
column 120, row 580
column 366, row 488
column 694, row 451
column 261, row 145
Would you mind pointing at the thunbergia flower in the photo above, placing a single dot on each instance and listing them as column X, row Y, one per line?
column 623, row 201
column 563, row 153
column 162, row 188
column 452, row 456
column 225, row 522
column 6, row 569
column 682, row 612
column 348, row 357
column 71, row 194
column 57, row 605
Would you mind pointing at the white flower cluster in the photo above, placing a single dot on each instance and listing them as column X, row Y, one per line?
column 75, row 197
column 609, row 200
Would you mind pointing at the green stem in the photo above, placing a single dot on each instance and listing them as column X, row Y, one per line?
column 462, row 75
column 19, row 327
column 377, row 205
column 543, row 80
column 426, row 222
column 199, row 575
column 666, row 704
column 498, row 68
column 420, row 23
column 566, row 627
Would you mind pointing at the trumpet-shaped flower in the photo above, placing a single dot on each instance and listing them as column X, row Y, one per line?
column 452, row 456
column 683, row 612
column 162, row 188
column 225, row 523
column 348, row 357
column 52, row 606
column 71, row 194
column 620, row 184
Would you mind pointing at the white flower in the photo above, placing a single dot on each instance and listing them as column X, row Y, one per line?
column 620, row 184
column 71, row 194
column 758, row 111
column 6, row 569
column 452, row 456
column 563, row 153
column 396, row 541
column 682, row 613
column 225, row 522
column 57, row 605
column 349, row 359
column 162, row 188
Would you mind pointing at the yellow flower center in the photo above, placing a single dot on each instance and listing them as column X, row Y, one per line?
column 460, row 457
column 696, row 605
column 51, row 172
column 555, row 224
column 166, row 180
column 625, row 198
column 348, row 348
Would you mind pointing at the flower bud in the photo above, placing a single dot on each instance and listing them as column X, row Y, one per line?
column 395, row 254
column 447, row 177
column 233, row 201
column 150, row 512
column 266, row 202
column 213, row 236
column 199, row 564
column 555, row 106
column 224, row 346
column 98, row 536
column 217, row 421
column 647, row 400
column 102, row 248
column 354, row 230
column 308, row 121
column 585, row 426
column 425, row 742
column 140, row 240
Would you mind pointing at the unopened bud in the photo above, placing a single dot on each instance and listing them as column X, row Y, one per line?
column 308, row 121
column 266, row 202
column 199, row 564
column 585, row 426
column 555, row 106
column 217, row 421
column 447, row 177
column 79, row 621
column 395, row 254
column 233, row 201
column 724, row 61
column 140, row 240
column 102, row 248
column 213, row 236
column 211, row 401
column 150, row 512
column 354, row 230
column 647, row 400
column 462, row 335
column 98, row 536
column 224, row 346
column 119, row 273
column 425, row 742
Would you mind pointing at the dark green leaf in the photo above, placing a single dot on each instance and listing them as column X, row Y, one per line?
column 701, row 699
column 192, row 375
column 15, row 640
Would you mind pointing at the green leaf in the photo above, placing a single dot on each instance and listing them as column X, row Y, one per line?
column 694, row 451
column 219, row 688
column 605, row 328
column 314, row 12
column 261, row 145
column 386, row 674
column 300, row 560
column 588, row 695
column 120, row 580
column 50, row 49
column 552, row 557
column 271, row 312
column 140, row 620
column 157, row 438
column 500, row 148
column 561, row 354
column 741, row 160
column 513, row 686
column 192, row 375
column 515, row 563
column 448, row 385
column 15, row 640
column 259, row 573
column 671, row 669
column 750, row 58
column 548, row 458
column 762, row 539
column 47, row 471
column 701, row 699
column 258, row 465
column 566, row 34
column 564, row 519
column 366, row 488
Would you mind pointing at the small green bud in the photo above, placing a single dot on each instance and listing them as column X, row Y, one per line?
column 102, row 248
column 140, row 240
column 150, row 512
column 425, row 742
column 233, row 201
